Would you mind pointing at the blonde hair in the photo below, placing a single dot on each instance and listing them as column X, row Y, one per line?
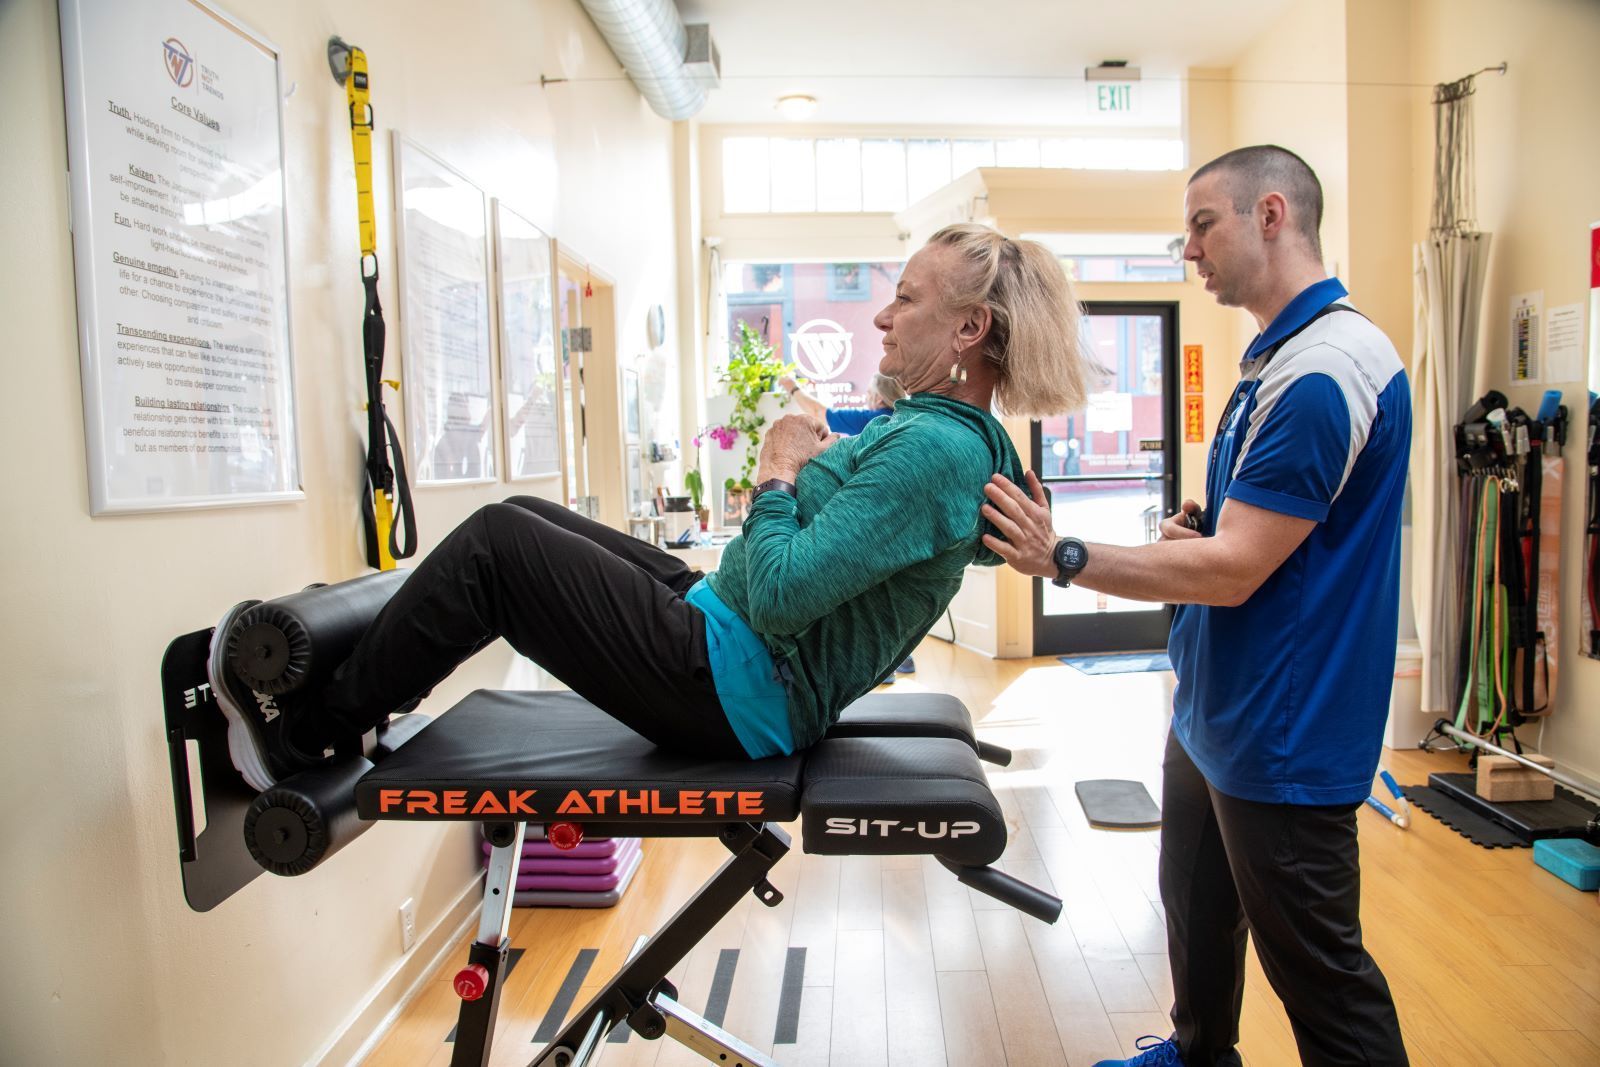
column 889, row 390
column 1035, row 338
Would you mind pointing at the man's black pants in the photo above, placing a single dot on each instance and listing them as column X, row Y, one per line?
column 1289, row 875
column 601, row 611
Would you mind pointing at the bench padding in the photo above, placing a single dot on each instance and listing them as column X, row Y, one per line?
column 900, row 796
column 552, row 756
column 906, row 715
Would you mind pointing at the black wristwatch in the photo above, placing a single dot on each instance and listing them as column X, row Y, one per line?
column 772, row 485
column 1071, row 556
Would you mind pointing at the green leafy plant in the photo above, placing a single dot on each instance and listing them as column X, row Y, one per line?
column 753, row 371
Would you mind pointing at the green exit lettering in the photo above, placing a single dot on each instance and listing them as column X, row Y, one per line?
column 1114, row 97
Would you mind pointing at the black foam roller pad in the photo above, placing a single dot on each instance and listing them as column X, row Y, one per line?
column 306, row 818
column 282, row 645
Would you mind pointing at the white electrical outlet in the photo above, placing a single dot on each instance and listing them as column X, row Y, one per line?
column 408, row 925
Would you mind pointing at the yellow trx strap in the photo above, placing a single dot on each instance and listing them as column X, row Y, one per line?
column 386, row 481
column 359, row 96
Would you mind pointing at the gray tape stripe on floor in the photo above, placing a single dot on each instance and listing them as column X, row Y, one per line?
column 721, row 986
column 794, row 974
column 550, row 1026
column 511, row 964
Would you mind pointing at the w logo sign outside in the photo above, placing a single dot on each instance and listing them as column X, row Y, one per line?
column 822, row 349
column 180, row 64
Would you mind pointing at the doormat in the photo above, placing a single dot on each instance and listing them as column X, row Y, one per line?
column 1121, row 663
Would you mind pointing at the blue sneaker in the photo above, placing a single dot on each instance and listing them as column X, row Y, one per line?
column 1163, row 1053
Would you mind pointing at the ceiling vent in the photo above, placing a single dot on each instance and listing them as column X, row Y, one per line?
column 651, row 42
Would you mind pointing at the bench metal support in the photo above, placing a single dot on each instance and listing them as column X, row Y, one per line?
column 639, row 993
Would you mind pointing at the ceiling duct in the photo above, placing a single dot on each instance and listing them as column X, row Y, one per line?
column 650, row 40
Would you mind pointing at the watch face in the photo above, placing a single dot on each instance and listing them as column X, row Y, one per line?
column 1071, row 555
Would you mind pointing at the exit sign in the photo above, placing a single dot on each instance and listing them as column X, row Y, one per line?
column 1113, row 96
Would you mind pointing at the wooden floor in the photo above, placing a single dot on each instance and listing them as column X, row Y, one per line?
column 1492, row 960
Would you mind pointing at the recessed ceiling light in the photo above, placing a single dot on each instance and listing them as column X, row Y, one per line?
column 796, row 106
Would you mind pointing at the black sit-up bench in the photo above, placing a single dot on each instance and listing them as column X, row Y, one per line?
column 898, row 775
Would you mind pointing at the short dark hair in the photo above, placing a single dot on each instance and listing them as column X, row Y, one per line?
column 1266, row 168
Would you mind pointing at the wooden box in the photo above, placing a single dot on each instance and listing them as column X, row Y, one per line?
column 1500, row 778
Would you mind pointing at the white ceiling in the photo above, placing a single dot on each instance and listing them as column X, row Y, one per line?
column 1009, row 63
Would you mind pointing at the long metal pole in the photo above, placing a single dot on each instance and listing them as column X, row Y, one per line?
column 1473, row 739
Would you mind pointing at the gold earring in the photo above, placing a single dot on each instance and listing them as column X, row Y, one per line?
column 958, row 373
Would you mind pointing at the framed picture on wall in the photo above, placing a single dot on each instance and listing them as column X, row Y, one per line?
column 529, row 383
column 630, row 406
column 180, row 252
column 443, row 238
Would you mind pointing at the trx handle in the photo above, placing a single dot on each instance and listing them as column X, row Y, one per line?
column 385, row 468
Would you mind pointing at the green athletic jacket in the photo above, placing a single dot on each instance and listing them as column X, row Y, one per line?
column 843, row 582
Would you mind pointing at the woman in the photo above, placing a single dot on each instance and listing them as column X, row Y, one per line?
column 852, row 549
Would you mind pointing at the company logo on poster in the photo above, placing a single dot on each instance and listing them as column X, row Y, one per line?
column 1194, row 419
column 180, row 64
column 822, row 348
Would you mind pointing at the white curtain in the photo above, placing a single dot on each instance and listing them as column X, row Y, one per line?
column 1449, row 272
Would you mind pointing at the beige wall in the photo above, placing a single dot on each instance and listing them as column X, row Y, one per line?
column 1537, row 157
column 107, row 962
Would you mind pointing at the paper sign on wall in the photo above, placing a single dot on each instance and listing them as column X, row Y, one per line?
column 1194, row 375
column 1194, row 419
column 1563, row 336
column 1527, row 328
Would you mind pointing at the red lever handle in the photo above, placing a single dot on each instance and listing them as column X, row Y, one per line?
column 472, row 981
column 565, row 835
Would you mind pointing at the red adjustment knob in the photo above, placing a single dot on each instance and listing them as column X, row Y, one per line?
column 565, row 835
column 472, row 981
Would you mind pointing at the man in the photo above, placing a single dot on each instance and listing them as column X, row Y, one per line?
column 1287, row 586
column 881, row 397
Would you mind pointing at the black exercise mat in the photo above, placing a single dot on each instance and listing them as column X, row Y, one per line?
column 1117, row 804
column 1565, row 816
column 1469, row 824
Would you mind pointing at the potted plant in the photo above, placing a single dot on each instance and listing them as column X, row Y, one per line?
column 696, row 485
column 750, row 377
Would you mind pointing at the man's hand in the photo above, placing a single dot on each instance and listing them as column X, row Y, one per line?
column 1030, row 535
column 793, row 441
column 1176, row 527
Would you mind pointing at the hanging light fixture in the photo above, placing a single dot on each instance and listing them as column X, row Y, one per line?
column 796, row 106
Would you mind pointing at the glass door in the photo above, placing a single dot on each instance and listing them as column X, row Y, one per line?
column 1112, row 471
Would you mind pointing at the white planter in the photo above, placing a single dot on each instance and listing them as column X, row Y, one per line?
column 722, row 464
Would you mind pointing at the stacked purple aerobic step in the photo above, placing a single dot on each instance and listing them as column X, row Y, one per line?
column 594, row 874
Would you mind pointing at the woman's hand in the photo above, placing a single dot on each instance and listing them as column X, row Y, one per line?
column 793, row 441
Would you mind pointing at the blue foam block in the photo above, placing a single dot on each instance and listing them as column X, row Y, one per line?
column 1575, row 862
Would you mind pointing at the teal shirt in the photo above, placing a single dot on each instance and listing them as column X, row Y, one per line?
column 746, row 679
column 841, row 582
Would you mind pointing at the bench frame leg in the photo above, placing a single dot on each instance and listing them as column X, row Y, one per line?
column 640, row 994
column 475, row 1023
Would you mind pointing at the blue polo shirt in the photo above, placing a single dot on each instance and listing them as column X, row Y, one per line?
column 1283, row 698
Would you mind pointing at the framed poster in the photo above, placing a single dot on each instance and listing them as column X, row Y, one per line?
column 180, row 248
column 443, row 240
column 528, row 384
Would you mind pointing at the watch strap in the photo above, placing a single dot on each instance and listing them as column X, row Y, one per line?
column 775, row 485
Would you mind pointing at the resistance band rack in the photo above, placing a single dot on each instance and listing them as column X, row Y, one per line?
column 1507, row 655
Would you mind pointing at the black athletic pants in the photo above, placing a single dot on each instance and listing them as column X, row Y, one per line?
column 601, row 611
column 1288, row 874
